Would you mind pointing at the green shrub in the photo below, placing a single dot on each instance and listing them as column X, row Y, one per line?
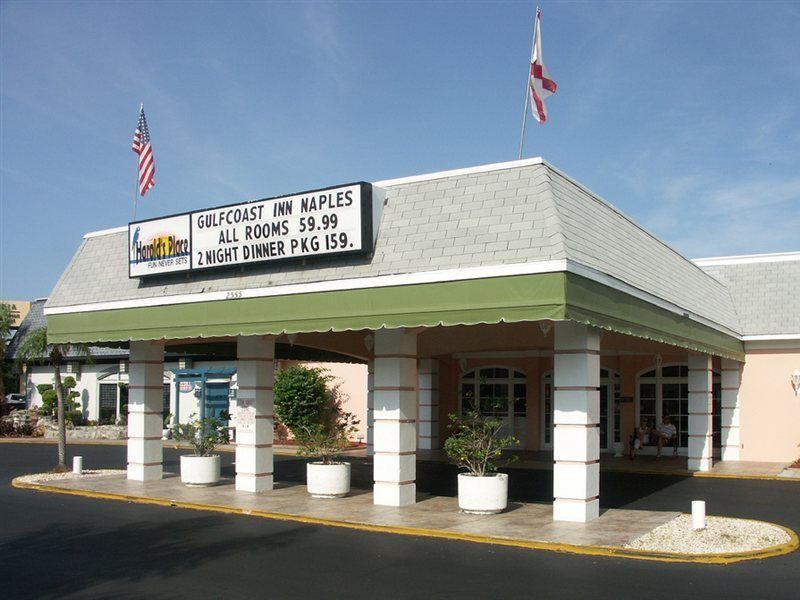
column 474, row 445
column 49, row 398
column 204, row 435
column 75, row 417
column 69, row 384
column 301, row 394
column 328, row 437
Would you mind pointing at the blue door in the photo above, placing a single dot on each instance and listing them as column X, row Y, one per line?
column 217, row 400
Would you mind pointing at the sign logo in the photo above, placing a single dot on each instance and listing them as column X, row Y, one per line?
column 159, row 246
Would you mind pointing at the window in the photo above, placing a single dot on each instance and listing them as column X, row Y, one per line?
column 498, row 392
column 108, row 403
column 665, row 391
column 165, row 397
column 547, row 404
column 609, row 409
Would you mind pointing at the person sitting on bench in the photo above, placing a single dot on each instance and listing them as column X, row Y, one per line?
column 640, row 437
column 665, row 433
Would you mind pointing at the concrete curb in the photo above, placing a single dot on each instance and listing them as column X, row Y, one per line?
column 591, row 550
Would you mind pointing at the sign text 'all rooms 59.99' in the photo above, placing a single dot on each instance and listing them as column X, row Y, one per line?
column 323, row 222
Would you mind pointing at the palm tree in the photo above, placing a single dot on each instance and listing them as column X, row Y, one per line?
column 34, row 348
column 5, row 326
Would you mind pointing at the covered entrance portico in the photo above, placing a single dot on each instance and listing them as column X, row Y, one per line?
column 418, row 378
column 540, row 303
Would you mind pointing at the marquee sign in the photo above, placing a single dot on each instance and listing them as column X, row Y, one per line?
column 332, row 221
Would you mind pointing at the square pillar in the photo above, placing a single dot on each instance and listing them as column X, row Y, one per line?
column 428, row 409
column 145, row 405
column 576, row 420
column 395, row 405
column 370, row 408
column 255, row 374
column 700, row 409
column 730, row 379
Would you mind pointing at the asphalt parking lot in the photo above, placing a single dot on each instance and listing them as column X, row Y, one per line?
column 56, row 546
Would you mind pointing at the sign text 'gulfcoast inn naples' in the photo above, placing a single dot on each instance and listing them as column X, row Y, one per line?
column 331, row 221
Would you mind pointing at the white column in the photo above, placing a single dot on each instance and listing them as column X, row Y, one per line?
column 255, row 374
column 730, row 379
column 700, row 409
column 395, row 397
column 576, row 417
column 145, row 403
column 370, row 408
column 428, row 411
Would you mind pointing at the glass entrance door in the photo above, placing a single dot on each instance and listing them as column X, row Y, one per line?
column 497, row 392
column 609, row 410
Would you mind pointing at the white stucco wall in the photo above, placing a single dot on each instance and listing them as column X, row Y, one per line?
column 352, row 377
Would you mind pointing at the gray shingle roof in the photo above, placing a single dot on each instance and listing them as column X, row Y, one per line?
column 522, row 213
column 35, row 319
column 766, row 293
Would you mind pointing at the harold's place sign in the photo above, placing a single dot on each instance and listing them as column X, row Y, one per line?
column 325, row 222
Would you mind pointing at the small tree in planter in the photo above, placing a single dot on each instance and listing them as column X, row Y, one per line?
column 328, row 438
column 203, row 435
column 474, row 444
column 327, row 476
column 312, row 410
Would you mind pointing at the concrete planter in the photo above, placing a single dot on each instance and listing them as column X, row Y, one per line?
column 328, row 481
column 482, row 495
column 200, row 470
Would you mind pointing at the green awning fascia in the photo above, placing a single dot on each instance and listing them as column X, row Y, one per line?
column 595, row 304
column 554, row 296
column 469, row 302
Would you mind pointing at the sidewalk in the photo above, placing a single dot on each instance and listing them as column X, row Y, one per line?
column 523, row 525
column 648, row 464
column 529, row 459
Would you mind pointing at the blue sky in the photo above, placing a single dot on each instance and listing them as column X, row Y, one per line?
column 684, row 115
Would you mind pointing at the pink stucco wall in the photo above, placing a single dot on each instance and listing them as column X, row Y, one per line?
column 769, row 410
column 353, row 386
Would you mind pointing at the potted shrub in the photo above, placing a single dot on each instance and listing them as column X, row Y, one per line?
column 203, row 467
column 327, row 476
column 311, row 409
column 166, row 432
column 474, row 445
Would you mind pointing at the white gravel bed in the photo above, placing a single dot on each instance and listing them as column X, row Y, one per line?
column 721, row 535
column 87, row 474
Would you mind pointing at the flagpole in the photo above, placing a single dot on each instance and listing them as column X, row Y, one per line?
column 136, row 185
column 527, row 88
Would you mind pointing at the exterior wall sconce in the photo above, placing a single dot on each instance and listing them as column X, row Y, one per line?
column 796, row 382
column 369, row 342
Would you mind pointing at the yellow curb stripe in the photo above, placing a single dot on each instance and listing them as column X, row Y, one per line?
column 590, row 550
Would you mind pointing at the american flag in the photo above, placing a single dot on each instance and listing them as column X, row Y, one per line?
column 141, row 146
column 540, row 84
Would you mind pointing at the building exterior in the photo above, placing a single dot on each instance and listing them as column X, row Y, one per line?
column 193, row 383
column 506, row 288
